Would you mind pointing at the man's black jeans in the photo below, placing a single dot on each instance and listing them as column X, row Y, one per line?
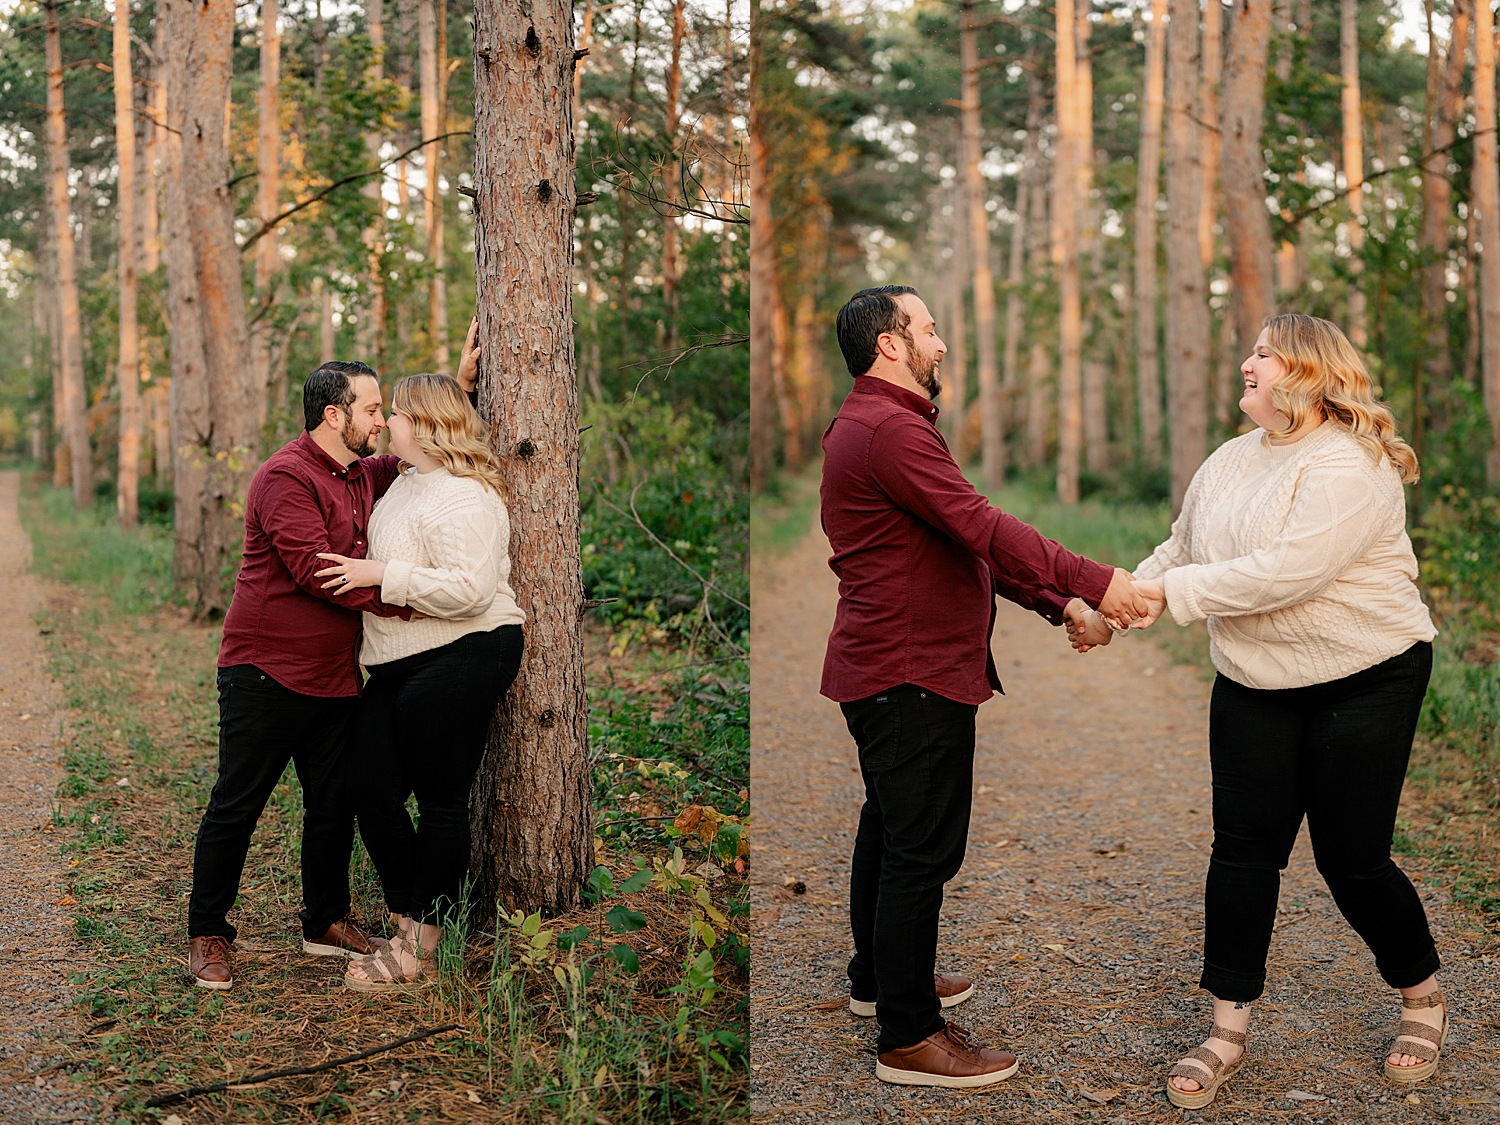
column 424, row 724
column 262, row 727
column 916, row 754
column 1337, row 753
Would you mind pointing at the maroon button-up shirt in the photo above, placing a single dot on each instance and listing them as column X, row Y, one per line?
column 920, row 556
column 281, row 620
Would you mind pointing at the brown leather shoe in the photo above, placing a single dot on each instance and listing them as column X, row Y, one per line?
column 211, row 962
column 947, row 1059
column 343, row 939
column 952, row 989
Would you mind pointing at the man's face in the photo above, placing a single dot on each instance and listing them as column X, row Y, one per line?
column 364, row 421
column 924, row 350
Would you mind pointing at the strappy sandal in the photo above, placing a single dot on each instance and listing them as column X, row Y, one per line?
column 1206, row 1069
column 387, row 975
column 1420, row 1039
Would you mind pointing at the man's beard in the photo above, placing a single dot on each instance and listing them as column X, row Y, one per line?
column 349, row 435
column 925, row 372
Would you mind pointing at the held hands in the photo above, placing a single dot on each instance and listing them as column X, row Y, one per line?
column 1086, row 628
column 350, row 574
column 1127, row 603
column 1123, row 603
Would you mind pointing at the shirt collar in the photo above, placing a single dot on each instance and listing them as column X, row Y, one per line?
column 324, row 461
column 917, row 404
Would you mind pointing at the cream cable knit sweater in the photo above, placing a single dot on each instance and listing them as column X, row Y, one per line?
column 445, row 541
column 1298, row 557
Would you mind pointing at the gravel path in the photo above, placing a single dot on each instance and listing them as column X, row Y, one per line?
column 37, row 947
column 1079, row 909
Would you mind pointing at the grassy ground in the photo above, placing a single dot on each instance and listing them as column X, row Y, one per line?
column 630, row 1009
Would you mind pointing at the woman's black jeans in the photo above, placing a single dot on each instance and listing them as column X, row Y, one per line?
column 424, row 722
column 916, row 753
column 1337, row 753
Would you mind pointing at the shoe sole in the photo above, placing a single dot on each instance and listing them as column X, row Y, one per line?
column 1182, row 1099
column 899, row 1077
column 319, row 950
column 864, row 1009
column 354, row 984
column 1411, row 1075
column 216, row 985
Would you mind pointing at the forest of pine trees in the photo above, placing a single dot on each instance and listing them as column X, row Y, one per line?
column 1102, row 202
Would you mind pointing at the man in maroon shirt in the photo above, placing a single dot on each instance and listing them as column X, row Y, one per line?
column 920, row 556
column 289, row 677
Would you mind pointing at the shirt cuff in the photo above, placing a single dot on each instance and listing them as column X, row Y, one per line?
column 396, row 585
column 1178, row 584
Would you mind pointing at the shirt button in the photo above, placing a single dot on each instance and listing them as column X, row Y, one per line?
column 924, row 695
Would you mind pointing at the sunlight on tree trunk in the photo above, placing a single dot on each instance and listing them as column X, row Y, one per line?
column 1487, row 197
column 74, row 415
column 1354, row 165
column 1065, row 257
column 991, row 423
column 1187, row 296
column 1148, row 188
column 1247, row 223
column 432, row 155
column 532, row 804
column 267, row 203
column 762, row 281
column 129, row 371
column 1208, row 117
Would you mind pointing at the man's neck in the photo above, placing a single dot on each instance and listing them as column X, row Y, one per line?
column 898, row 375
column 333, row 445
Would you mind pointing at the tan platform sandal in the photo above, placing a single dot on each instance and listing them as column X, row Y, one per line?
column 1420, row 1039
column 1207, row 1069
column 387, row 975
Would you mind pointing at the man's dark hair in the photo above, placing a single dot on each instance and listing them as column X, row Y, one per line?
column 864, row 317
column 332, row 384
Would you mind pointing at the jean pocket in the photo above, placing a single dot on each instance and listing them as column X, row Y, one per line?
column 885, row 719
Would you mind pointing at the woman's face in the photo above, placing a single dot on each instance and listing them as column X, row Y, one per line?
column 1261, row 371
column 402, row 443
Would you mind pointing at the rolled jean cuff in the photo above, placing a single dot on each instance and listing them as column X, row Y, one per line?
column 1225, row 984
column 1414, row 974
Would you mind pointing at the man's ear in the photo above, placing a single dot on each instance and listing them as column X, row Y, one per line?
column 885, row 344
column 334, row 420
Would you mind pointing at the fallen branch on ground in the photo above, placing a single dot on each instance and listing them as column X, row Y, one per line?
column 294, row 1071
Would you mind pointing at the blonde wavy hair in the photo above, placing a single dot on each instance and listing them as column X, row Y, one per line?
column 1325, row 374
column 446, row 427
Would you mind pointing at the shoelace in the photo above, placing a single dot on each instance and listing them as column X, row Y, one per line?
column 215, row 949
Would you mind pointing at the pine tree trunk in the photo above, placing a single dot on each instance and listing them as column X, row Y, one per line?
column 1487, row 199
column 786, row 395
column 74, row 419
column 372, row 323
column 1445, row 107
column 437, row 299
column 214, row 413
column 955, row 332
column 1208, row 116
column 1187, row 297
column 762, row 280
column 1090, row 251
column 128, row 490
column 267, row 202
column 1354, row 164
column 1247, row 223
column 991, row 420
column 532, row 809
column 1148, row 188
column 1015, row 266
column 1065, row 256
column 150, row 185
column 1038, row 403
column 671, row 172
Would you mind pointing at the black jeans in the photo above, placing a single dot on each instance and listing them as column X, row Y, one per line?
column 262, row 727
column 1337, row 753
column 424, row 723
column 916, row 753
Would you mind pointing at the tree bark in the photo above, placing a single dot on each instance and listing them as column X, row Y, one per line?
column 1445, row 107
column 532, row 807
column 786, row 394
column 1093, row 407
column 954, row 398
column 1028, row 183
column 216, row 438
column 991, row 420
column 1208, row 115
column 671, row 172
column 128, row 490
column 1246, row 220
column 1148, row 188
column 74, row 421
column 762, row 279
column 267, row 202
column 1187, row 297
column 1487, row 197
column 1065, row 257
column 437, row 299
column 1354, row 165
column 372, row 324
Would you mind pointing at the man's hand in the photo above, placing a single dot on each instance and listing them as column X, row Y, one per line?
column 350, row 574
column 1086, row 628
column 1155, row 595
column 1122, row 602
column 468, row 359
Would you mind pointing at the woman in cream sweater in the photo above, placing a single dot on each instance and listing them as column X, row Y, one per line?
column 439, row 543
column 1292, row 545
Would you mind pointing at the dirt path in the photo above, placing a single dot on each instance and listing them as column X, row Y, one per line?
column 37, row 948
column 1079, row 909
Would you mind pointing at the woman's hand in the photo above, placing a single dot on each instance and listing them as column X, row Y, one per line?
column 1155, row 594
column 350, row 574
column 468, row 359
column 1086, row 628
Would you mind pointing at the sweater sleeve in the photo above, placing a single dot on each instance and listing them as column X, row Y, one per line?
column 465, row 544
column 1335, row 518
